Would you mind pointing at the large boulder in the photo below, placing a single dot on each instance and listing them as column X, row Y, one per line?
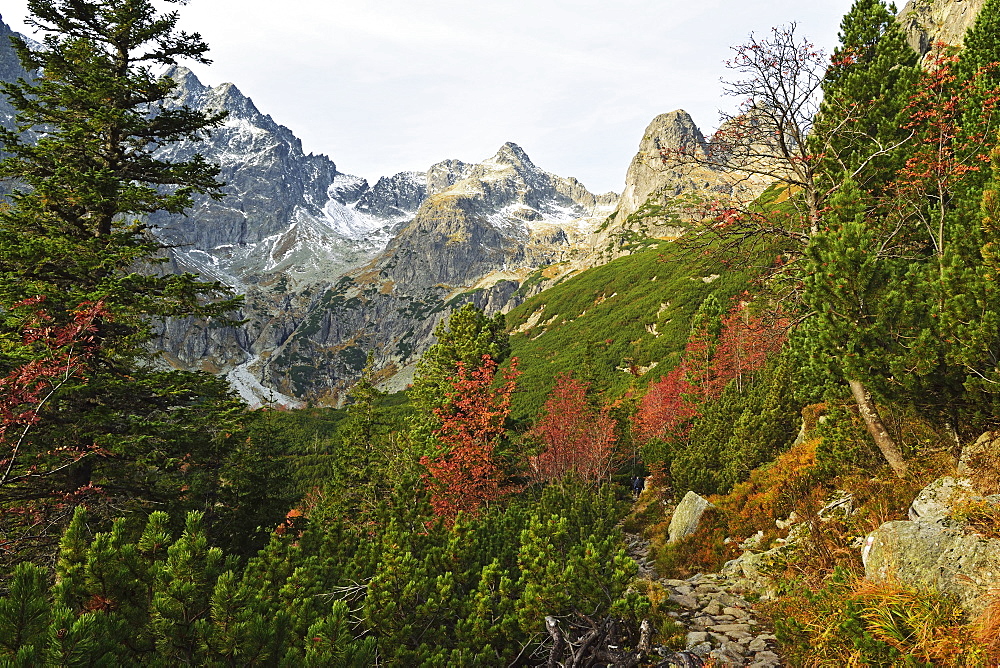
column 686, row 516
column 935, row 557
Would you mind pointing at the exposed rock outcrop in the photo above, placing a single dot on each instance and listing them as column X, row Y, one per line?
column 654, row 170
column 927, row 22
column 937, row 501
column 934, row 557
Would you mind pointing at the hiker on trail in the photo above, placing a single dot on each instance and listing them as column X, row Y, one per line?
column 637, row 486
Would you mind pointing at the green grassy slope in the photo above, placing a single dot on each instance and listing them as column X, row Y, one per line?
column 616, row 324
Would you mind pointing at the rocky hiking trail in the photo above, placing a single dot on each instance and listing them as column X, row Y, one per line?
column 720, row 621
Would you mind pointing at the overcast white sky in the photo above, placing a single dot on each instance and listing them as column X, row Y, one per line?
column 383, row 86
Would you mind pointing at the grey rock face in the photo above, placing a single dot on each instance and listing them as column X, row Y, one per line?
column 285, row 211
column 655, row 169
column 445, row 174
column 934, row 550
column 939, row 499
column 675, row 169
column 687, row 515
column 929, row 21
column 480, row 231
column 933, row 557
column 10, row 71
column 397, row 196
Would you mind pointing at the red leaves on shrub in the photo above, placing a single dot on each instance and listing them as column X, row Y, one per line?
column 743, row 347
column 464, row 475
column 61, row 354
column 576, row 437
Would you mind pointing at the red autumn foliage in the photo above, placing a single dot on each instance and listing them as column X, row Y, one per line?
column 668, row 407
column 577, row 438
column 745, row 343
column 464, row 476
column 62, row 352
column 744, row 346
column 949, row 145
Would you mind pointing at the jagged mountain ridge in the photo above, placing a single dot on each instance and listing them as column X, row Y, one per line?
column 290, row 222
column 275, row 240
column 294, row 225
column 482, row 230
column 286, row 212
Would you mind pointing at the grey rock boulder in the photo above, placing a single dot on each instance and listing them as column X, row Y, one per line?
column 687, row 516
column 934, row 557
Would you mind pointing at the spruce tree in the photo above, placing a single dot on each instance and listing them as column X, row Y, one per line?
column 84, row 167
column 83, row 161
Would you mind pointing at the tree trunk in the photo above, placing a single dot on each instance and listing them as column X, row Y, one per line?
column 558, row 643
column 869, row 412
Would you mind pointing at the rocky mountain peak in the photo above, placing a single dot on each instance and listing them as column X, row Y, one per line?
column 673, row 131
column 187, row 82
column 652, row 169
column 395, row 197
column 445, row 174
column 513, row 155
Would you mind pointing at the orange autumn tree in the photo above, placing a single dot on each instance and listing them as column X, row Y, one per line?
column 576, row 437
column 744, row 344
column 465, row 474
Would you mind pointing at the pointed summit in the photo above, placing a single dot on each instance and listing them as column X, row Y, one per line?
column 186, row 80
column 512, row 154
column 653, row 172
column 674, row 130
